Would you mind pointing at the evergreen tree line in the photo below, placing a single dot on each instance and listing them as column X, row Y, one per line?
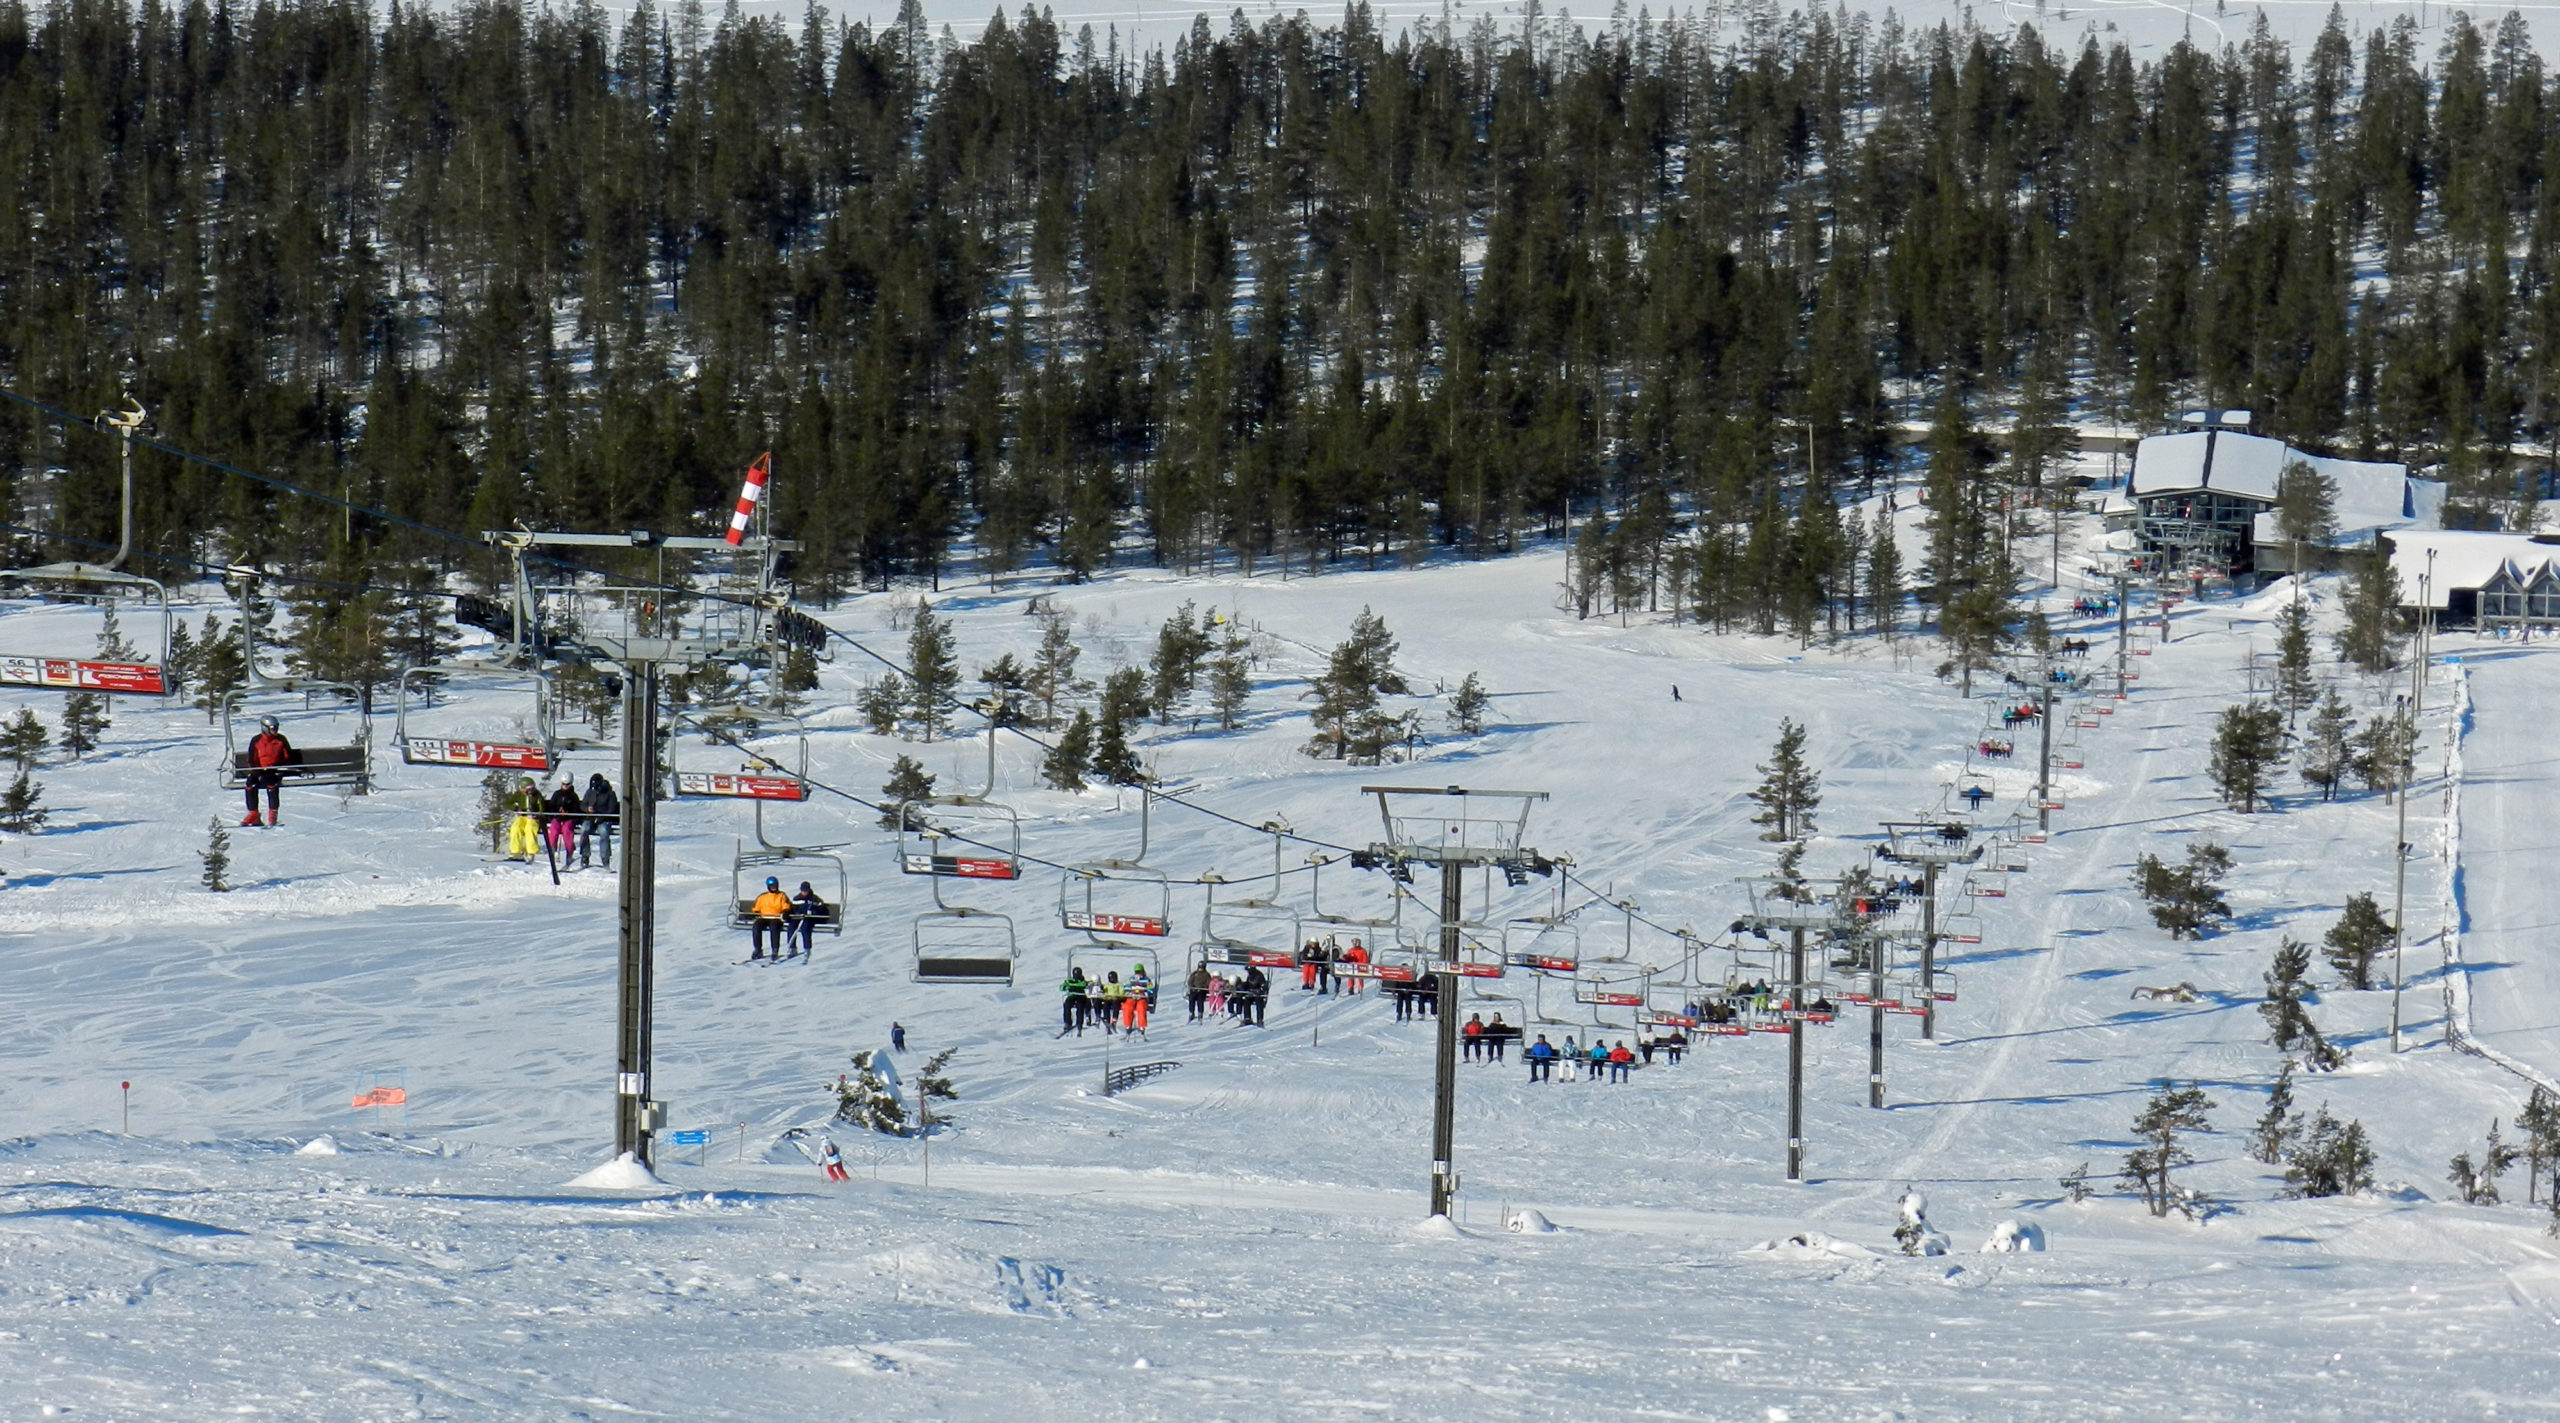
column 1281, row 293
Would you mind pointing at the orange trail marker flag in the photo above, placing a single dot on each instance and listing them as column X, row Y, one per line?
column 382, row 1097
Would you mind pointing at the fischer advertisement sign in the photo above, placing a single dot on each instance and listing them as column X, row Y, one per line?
column 1115, row 924
column 425, row 751
column 70, row 674
column 740, row 787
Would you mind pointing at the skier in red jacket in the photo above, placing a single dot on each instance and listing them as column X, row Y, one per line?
column 269, row 753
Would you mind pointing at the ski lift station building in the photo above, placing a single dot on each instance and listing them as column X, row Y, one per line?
column 2204, row 496
column 2489, row 580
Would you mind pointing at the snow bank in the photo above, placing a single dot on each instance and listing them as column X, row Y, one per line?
column 1525, row 1221
column 622, row 1173
column 1440, row 1227
column 971, row 1281
column 2013, row 1237
column 321, row 1145
column 1810, row 1245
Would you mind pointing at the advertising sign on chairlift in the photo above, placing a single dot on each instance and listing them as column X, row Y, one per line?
column 958, row 867
column 740, row 786
column 1094, row 923
column 1614, row 1000
column 1661, row 1019
column 1544, row 963
column 1469, row 969
column 428, row 751
column 75, row 675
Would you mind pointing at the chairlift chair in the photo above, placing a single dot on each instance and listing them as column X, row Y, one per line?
column 762, row 777
column 1961, row 926
column 528, row 745
column 960, row 837
column 1111, row 901
column 956, row 944
column 781, row 862
column 1543, row 945
column 88, row 583
column 1260, row 932
column 343, row 757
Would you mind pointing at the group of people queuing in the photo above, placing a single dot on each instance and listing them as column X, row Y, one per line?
column 563, row 823
column 1109, row 1002
column 788, row 921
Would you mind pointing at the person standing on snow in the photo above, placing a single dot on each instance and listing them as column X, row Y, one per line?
column 269, row 754
column 831, row 1159
column 772, row 910
column 524, row 833
column 603, row 816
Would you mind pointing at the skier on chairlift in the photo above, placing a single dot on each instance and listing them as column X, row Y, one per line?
column 602, row 817
column 771, row 910
column 269, row 753
column 800, row 926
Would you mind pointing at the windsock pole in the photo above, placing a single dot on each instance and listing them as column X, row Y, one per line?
column 749, row 496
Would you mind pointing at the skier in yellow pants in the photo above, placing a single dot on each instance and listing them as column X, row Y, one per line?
column 524, row 832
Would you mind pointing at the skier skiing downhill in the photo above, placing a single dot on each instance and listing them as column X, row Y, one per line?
column 269, row 753
column 832, row 1159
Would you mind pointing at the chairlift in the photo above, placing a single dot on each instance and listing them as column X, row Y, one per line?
column 1979, row 889
column 956, row 944
column 1119, row 958
column 1961, row 926
column 1543, row 944
column 1112, row 900
column 781, row 862
column 101, row 584
column 984, row 839
column 527, row 745
column 1263, row 933
column 761, row 777
column 341, row 755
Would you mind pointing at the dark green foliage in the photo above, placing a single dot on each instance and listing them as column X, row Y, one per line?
column 884, row 704
column 1230, row 684
column 863, row 1099
column 1008, row 685
column 1065, row 766
column 24, row 739
column 1789, row 791
column 2276, row 1126
column 2478, row 1181
column 2306, row 502
column 2327, row 750
column 2248, row 741
column 1053, row 668
column 2383, row 753
column 2360, row 933
column 2540, row 1123
column 908, row 783
column 1182, row 644
column 2186, row 899
column 84, row 720
column 1467, row 705
column 2328, row 1158
column 217, row 856
column 2375, row 626
column 2295, row 689
column 2171, row 1114
column 933, row 673
column 2289, row 1025
column 222, row 665
column 1349, row 720
column 22, row 805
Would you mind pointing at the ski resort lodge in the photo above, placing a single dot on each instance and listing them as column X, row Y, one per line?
column 2204, row 498
column 2492, row 581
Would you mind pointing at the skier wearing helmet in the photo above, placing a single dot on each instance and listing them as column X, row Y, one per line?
column 772, row 911
column 524, row 832
column 269, row 754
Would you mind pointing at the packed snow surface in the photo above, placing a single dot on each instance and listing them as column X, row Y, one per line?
column 1246, row 1226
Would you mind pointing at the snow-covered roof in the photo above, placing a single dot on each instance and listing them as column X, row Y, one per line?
column 2370, row 496
column 2464, row 560
column 2223, row 461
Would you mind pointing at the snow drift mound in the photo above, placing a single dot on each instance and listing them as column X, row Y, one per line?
column 622, row 1173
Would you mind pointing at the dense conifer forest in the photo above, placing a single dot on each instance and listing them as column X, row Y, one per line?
column 1284, row 294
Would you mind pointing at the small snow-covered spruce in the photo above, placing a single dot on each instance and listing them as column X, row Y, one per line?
column 908, row 783
column 2326, row 749
column 1915, row 1234
column 2329, row 1158
column 2171, row 1113
column 933, row 1084
column 2383, row 754
column 2540, row 1123
column 217, row 856
column 2186, row 899
column 1064, row 767
column 2248, row 743
column 84, row 720
column 2478, row 1182
column 24, row 739
column 1230, row 683
column 2276, row 1126
column 2289, row 1025
column 22, row 805
column 1789, row 791
column 1466, row 707
column 864, row 1099
column 2075, row 1187
column 2360, row 933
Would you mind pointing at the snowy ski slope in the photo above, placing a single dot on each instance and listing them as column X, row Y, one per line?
column 1237, row 1238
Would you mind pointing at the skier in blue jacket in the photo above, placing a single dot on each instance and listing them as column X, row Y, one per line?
column 1542, row 1059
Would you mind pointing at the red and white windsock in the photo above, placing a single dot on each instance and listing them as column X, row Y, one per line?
column 750, row 495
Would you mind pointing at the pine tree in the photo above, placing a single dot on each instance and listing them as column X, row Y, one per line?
column 908, row 784
column 884, row 704
column 2384, row 751
column 2325, row 750
column 2276, row 1126
column 1008, row 685
column 2296, row 690
column 933, row 1084
column 1053, row 668
column 22, row 805
column 1230, row 685
column 2248, row 740
column 1180, row 645
column 2359, row 935
column 84, row 720
column 2375, row 624
column 1065, row 765
column 217, row 856
column 1348, row 718
column 799, row 672
column 1974, row 624
column 2306, row 503
column 2540, row 1123
column 223, row 667
column 24, row 739
column 933, row 673
column 1789, row 791
column 2328, row 1158
column 185, row 658
column 2478, row 1181
column 111, row 644
column 2289, row 1024
column 492, row 810
column 2186, row 899
column 1467, row 707
column 2171, row 1113
column 864, row 1098
column 1123, row 702
column 1884, row 578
